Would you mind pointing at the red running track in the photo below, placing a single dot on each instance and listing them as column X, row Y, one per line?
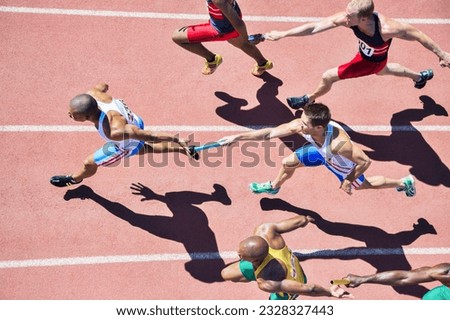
column 115, row 246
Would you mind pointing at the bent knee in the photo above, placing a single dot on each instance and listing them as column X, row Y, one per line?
column 90, row 165
column 179, row 36
column 290, row 163
column 330, row 75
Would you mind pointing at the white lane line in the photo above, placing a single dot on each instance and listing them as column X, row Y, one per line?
column 212, row 128
column 186, row 16
column 313, row 253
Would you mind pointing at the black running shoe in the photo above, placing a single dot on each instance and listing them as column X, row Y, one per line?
column 193, row 154
column 298, row 102
column 62, row 181
column 424, row 77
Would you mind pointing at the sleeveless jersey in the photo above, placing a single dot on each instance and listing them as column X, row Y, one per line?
column 217, row 18
column 130, row 117
column 336, row 163
column 294, row 270
column 373, row 48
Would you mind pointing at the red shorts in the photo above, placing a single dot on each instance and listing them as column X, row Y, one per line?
column 205, row 32
column 359, row 67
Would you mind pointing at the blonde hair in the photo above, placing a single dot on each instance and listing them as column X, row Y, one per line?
column 364, row 7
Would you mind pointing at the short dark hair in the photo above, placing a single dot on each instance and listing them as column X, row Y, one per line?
column 318, row 113
column 83, row 103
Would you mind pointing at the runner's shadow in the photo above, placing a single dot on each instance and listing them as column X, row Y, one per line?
column 270, row 111
column 408, row 146
column 188, row 225
column 373, row 237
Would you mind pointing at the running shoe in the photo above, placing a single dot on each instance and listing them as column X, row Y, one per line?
column 265, row 187
column 409, row 186
column 424, row 77
column 298, row 102
column 62, row 181
column 210, row 67
column 193, row 154
column 259, row 70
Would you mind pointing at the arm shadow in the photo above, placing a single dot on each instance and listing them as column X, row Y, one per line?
column 270, row 112
column 188, row 224
column 390, row 246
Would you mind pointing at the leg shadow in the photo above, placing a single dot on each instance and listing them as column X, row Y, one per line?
column 374, row 238
column 188, row 225
column 407, row 146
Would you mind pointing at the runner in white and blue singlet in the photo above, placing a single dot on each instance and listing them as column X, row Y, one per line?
column 329, row 145
column 123, row 131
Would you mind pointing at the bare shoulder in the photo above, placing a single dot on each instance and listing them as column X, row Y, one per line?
column 391, row 28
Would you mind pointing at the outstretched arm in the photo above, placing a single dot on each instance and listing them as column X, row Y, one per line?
column 287, row 225
column 294, row 287
column 307, row 29
column 272, row 231
column 396, row 29
column 265, row 134
column 403, row 278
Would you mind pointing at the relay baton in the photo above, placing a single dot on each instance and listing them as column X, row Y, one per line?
column 340, row 281
column 208, row 146
column 256, row 38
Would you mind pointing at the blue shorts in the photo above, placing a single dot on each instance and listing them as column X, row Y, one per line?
column 309, row 156
column 111, row 152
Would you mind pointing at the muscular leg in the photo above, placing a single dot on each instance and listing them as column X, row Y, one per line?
column 249, row 49
column 395, row 69
column 88, row 170
column 290, row 163
column 328, row 78
column 180, row 37
column 380, row 182
column 162, row 147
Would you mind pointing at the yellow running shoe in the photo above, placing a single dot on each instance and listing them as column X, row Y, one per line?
column 210, row 67
column 259, row 70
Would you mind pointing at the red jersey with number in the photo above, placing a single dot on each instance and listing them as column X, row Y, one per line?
column 373, row 48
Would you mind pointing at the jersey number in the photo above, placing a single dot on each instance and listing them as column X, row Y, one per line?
column 365, row 49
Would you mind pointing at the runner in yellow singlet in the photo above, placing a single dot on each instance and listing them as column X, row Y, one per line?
column 266, row 259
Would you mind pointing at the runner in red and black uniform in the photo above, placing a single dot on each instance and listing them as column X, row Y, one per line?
column 225, row 23
column 375, row 32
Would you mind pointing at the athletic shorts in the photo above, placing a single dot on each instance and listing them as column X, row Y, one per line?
column 309, row 156
column 359, row 67
column 111, row 153
column 438, row 293
column 205, row 32
column 246, row 268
